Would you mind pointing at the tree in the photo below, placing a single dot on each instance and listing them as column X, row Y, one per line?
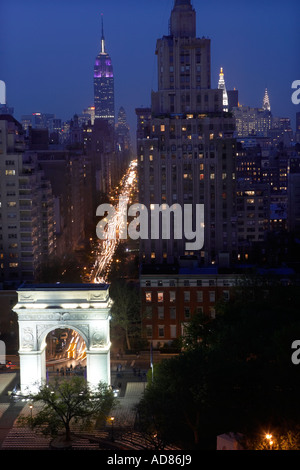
column 64, row 270
column 197, row 332
column 235, row 371
column 69, row 402
column 176, row 406
column 280, row 439
column 125, row 310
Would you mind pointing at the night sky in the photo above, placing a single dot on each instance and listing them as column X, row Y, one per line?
column 48, row 49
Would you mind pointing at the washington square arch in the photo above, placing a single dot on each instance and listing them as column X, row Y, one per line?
column 42, row 308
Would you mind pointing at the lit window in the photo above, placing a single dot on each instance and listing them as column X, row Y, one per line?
column 148, row 296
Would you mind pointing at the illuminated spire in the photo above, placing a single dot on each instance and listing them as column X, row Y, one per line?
column 266, row 101
column 104, row 84
column 102, row 37
column 221, row 86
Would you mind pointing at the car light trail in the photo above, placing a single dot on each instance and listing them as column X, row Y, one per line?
column 108, row 246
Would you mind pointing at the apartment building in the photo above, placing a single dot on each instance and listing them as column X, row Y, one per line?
column 171, row 295
column 27, row 233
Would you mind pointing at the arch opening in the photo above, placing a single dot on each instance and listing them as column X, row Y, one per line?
column 65, row 353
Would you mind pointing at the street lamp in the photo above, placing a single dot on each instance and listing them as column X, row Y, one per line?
column 112, row 428
column 269, row 438
column 31, row 406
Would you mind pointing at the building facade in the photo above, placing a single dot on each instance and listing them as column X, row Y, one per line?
column 185, row 145
column 27, row 231
column 169, row 298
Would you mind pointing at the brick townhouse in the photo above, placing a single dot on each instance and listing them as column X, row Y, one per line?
column 170, row 296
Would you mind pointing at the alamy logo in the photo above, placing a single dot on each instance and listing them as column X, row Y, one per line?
column 296, row 94
column 152, row 226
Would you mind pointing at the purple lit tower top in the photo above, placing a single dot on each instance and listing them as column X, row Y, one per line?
column 104, row 84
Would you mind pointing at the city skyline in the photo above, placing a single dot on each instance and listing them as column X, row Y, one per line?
column 59, row 43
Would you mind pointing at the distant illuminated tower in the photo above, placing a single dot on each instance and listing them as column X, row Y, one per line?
column 221, row 86
column 266, row 101
column 104, row 100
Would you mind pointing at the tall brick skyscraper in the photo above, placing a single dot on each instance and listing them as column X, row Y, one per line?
column 186, row 150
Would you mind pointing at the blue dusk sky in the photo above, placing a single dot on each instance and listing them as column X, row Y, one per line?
column 48, row 49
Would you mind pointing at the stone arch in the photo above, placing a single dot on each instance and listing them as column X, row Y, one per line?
column 42, row 308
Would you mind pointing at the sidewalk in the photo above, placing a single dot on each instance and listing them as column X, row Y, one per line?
column 9, row 411
column 125, row 412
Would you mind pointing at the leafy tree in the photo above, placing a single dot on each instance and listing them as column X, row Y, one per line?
column 280, row 439
column 64, row 270
column 235, row 372
column 69, row 402
column 197, row 332
column 175, row 405
column 125, row 310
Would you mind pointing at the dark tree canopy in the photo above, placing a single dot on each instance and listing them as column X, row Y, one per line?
column 235, row 373
column 67, row 402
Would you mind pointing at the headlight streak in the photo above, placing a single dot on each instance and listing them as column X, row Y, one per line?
column 108, row 246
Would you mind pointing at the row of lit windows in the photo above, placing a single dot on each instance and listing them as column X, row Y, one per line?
column 161, row 296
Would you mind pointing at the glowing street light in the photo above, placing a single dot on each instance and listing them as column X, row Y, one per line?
column 112, row 428
column 269, row 438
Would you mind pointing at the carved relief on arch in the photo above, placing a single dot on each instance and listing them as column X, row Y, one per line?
column 27, row 339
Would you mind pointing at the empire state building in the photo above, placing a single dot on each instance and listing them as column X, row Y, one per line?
column 104, row 100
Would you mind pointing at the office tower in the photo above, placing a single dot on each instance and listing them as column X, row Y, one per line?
column 233, row 98
column 222, row 86
column 69, row 172
column 27, row 217
column 185, row 145
column 266, row 102
column 90, row 114
column 252, row 121
column 104, row 100
column 123, row 140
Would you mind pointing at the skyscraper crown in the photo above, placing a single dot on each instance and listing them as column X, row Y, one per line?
column 183, row 19
column 182, row 2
